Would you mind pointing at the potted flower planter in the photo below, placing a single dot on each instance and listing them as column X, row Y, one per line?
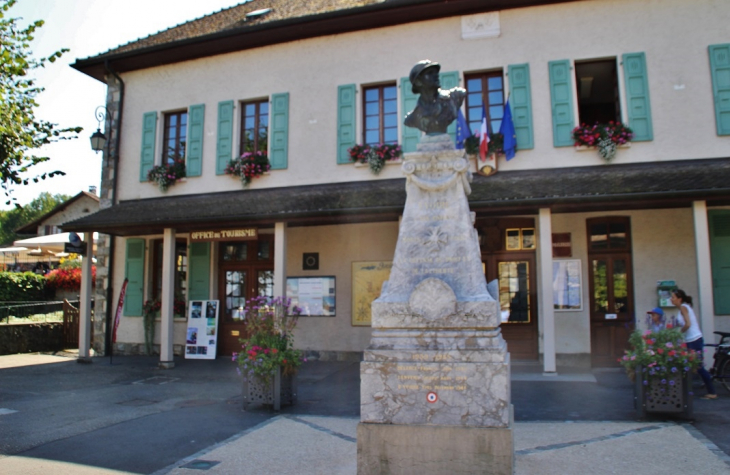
column 668, row 395
column 277, row 390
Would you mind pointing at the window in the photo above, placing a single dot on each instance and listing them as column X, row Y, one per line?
column 175, row 137
column 609, row 234
column 380, row 110
column 485, row 89
column 597, row 87
column 181, row 270
column 254, row 126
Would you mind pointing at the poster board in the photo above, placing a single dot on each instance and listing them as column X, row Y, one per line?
column 201, row 336
column 314, row 295
column 367, row 283
column 567, row 285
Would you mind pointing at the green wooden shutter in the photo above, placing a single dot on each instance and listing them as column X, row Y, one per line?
column 720, row 68
column 199, row 271
column 279, row 131
column 520, row 101
column 149, row 129
column 134, row 272
column 450, row 80
column 194, row 147
column 224, row 147
column 720, row 257
column 561, row 95
column 637, row 96
column 409, row 135
column 346, row 120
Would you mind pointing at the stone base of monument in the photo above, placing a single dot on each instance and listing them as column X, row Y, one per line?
column 434, row 450
column 435, row 379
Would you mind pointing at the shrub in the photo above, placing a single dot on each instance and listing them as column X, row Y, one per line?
column 22, row 287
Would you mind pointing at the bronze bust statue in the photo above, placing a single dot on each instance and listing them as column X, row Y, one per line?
column 436, row 107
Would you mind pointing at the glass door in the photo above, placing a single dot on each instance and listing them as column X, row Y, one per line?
column 517, row 296
column 245, row 271
column 611, row 314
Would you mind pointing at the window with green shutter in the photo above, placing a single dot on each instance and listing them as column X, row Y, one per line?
column 561, row 96
column 638, row 104
column 520, row 98
column 279, row 130
column 199, row 271
column 720, row 70
column 149, row 130
column 485, row 90
column 345, row 121
column 380, row 114
column 134, row 272
column 194, row 153
column 408, row 99
column 597, row 91
column 224, row 144
column 719, row 221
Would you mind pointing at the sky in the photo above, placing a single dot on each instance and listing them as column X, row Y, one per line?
column 87, row 28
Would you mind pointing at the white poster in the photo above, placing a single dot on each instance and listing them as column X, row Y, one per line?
column 567, row 288
column 311, row 292
column 202, row 333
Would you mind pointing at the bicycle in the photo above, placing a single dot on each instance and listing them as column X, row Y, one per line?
column 720, row 370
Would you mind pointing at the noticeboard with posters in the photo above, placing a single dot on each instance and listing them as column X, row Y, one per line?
column 201, row 336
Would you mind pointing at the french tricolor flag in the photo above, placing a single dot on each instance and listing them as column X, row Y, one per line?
column 483, row 136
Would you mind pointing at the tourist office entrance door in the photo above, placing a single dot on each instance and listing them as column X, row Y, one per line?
column 245, row 270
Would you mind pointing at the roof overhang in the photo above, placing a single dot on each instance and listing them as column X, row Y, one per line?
column 673, row 184
column 268, row 33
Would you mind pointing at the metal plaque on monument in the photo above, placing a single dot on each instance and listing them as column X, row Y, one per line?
column 435, row 380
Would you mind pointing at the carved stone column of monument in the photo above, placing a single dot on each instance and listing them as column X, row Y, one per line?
column 435, row 380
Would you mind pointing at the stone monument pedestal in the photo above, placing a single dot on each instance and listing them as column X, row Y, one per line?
column 434, row 450
column 435, row 380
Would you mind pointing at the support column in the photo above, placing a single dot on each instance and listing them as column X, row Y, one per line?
column 704, row 306
column 545, row 289
column 280, row 260
column 85, row 303
column 167, row 300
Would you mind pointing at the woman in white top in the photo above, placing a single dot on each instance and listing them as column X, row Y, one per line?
column 692, row 335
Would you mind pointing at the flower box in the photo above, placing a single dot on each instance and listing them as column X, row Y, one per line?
column 281, row 389
column 667, row 395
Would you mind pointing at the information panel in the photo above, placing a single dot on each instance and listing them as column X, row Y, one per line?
column 202, row 333
column 314, row 295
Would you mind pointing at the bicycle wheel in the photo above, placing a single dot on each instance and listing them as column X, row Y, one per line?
column 723, row 373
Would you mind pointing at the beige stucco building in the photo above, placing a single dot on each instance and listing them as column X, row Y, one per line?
column 577, row 243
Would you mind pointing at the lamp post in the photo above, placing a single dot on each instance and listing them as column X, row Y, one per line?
column 98, row 139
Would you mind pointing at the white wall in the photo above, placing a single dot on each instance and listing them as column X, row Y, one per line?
column 674, row 34
column 662, row 249
column 338, row 247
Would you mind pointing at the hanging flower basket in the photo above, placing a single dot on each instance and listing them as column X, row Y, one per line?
column 375, row 156
column 605, row 137
column 167, row 175
column 248, row 166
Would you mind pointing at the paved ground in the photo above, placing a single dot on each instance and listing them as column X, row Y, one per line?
column 57, row 416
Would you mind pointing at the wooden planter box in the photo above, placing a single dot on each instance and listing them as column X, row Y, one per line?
column 275, row 392
column 656, row 397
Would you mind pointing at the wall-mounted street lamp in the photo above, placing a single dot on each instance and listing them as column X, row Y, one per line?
column 98, row 139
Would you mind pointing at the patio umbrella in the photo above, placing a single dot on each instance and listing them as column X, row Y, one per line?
column 51, row 242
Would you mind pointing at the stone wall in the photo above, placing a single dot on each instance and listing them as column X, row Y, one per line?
column 30, row 338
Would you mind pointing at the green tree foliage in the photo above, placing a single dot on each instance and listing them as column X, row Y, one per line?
column 20, row 131
column 15, row 218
